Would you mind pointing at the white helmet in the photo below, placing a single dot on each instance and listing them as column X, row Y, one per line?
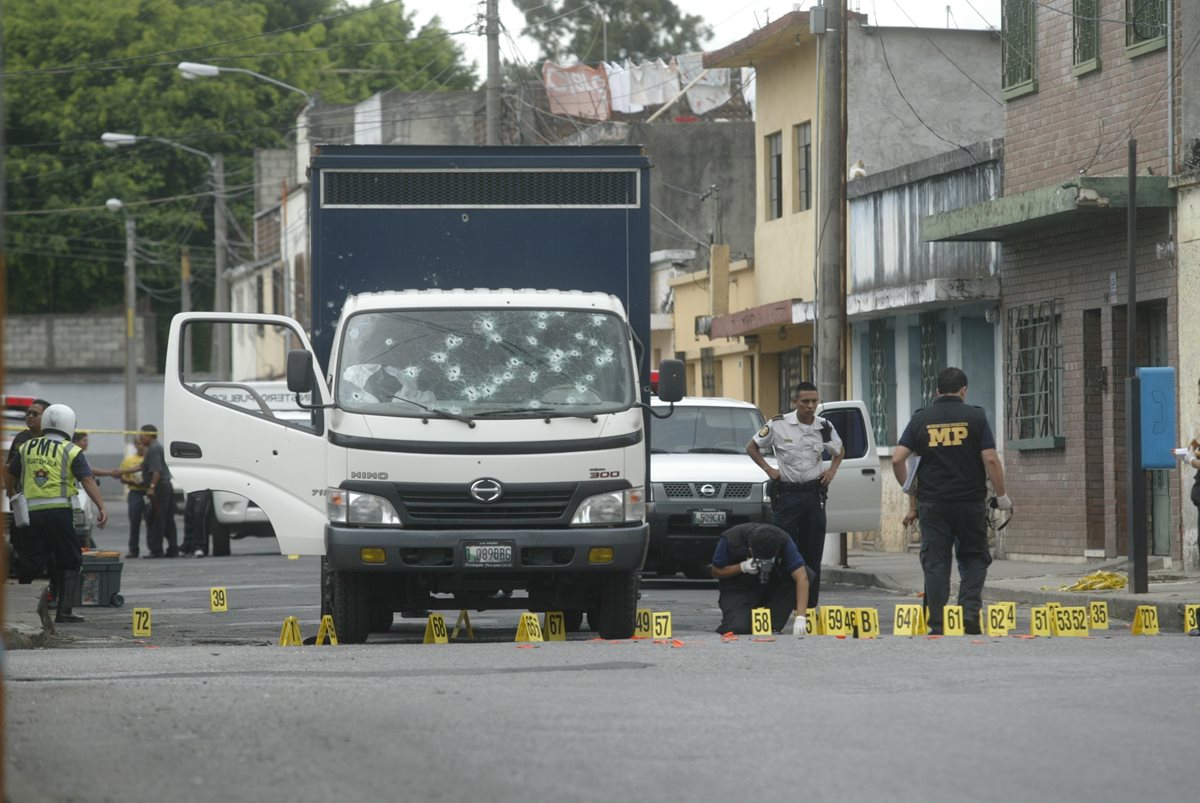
column 59, row 418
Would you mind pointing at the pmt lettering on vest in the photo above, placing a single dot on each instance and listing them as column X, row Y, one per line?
column 946, row 434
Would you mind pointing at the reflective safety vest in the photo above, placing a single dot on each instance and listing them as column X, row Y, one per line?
column 46, row 476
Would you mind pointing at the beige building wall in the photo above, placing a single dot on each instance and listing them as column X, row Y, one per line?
column 1188, row 298
column 785, row 246
column 692, row 299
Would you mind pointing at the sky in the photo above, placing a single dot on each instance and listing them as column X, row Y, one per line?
column 731, row 20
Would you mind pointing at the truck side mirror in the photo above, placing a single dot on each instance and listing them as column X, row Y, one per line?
column 299, row 371
column 671, row 380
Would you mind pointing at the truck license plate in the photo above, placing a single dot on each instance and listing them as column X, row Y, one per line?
column 488, row 555
column 708, row 518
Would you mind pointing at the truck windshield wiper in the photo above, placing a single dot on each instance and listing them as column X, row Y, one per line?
column 712, row 450
column 437, row 411
column 538, row 412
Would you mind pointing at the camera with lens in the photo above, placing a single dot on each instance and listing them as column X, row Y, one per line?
column 764, row 566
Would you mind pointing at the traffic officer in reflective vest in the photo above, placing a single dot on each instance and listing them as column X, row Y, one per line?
column 957, row 458
column 48, row 469
column 800, row 440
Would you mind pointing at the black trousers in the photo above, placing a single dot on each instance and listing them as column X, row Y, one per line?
column 961, row 528
column 136, row 504
column 801, row 514
column 738, row 599
column 53, row 545
column 162, row 521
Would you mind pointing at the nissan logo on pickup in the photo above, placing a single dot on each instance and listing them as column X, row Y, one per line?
column 486, row 490
column 708, row 490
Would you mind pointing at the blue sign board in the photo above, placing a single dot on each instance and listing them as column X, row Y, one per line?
column 1158, row 417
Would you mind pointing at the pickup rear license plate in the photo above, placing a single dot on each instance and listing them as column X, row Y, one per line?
column 708, row 518
column 481, row 555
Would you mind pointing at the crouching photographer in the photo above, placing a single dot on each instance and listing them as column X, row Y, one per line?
column 758, row 566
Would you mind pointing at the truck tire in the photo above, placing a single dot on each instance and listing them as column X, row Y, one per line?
column 573, row 620
column 381, row 618
column 617, row 605
column 217, row 535
column 351, row 606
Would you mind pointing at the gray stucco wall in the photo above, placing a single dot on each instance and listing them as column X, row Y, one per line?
column 84, row 343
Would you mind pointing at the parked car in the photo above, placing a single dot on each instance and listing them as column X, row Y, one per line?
column 703, row 482
column 217, row 517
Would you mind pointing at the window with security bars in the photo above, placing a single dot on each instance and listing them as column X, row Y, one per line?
column 1018, row 48
column 708, row 372
column 933, row 337
column 882, row 382
column 795, row 366
column 1086, row 36
column 1033, row 347
column 803, row 134
column 774, row 175
column 1145, row 25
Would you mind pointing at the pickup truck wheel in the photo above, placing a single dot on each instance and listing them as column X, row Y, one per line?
column 696, row 571
column 218, row 535
column 381, row 619
column 573, row 620
column 351, row 606
column 618, row 605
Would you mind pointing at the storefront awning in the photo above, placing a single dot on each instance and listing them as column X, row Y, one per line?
column 750, row 321
column 1082, row 199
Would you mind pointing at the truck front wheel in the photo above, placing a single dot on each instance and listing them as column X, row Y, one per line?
column 617, row 606
column 351, row 606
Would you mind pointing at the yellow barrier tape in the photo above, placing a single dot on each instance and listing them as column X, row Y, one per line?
column 18, row 428
column 1098, row 581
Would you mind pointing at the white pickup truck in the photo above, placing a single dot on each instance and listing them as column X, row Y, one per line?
column 702, row 481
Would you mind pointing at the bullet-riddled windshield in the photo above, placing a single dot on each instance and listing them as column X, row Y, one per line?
column 481, row 363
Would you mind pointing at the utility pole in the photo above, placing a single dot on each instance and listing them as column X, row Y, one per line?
column 493, row 72
column 185, row 305
column 220, row 286
column 131, row 424
column 831, row 297
column 1135, row 477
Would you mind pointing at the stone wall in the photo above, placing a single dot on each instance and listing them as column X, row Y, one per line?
column 75, row 343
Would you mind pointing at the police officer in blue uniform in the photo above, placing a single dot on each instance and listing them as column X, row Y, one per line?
column 958, row 457
column 800, row 440
column 49, row 469
column 758, row 566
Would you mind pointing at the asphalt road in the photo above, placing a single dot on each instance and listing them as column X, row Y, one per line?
column 207, row 708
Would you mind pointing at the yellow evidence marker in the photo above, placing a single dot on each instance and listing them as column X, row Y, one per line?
column 463, row 621
column 1145, row 621
column 760, row 622
column 1070, row 621
column 530, row 629
column 662, row 624
column 326, row 632
column 435, row 630
column 833, row 620
column 953, row 623
column 293, row 557
column 289, row 634
column 812, row 624
column 218, row 600
column 907, row 621
column 141, row 621
column 996, row 620
column 555, row 628
column 642, row 624
column 1098, row 614
column 1010, row 614
column 1039, row 621
column 868, row 623
column 1191, row 618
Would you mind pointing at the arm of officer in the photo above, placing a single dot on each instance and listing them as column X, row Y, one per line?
column 900, row 457
column 757, row 456
column 828, row 474
column 801, row 577
column 721, row 569
column 93, row 492
column 995, row 471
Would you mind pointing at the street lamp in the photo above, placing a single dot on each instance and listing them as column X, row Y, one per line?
column 216, row 163
column 115, row 205
column 192, row 70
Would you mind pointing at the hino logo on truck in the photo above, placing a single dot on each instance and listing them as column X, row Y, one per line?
column 368, row 475
column 486, row 490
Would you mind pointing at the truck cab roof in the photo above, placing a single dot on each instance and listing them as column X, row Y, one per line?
column 460, row 297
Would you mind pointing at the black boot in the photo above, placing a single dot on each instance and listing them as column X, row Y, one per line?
column 68, row 586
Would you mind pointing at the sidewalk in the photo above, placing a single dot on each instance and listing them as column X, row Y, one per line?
column 1030, row 583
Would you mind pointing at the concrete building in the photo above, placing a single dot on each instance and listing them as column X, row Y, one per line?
column 927, row 89
column 1077, row 88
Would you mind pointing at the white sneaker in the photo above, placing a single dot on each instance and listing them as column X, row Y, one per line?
column 199, row 553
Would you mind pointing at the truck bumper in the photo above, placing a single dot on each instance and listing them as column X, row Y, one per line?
column 675, row 537
column 533, row 551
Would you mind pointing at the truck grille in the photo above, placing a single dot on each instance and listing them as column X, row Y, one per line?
column 724, row 490
column 442, row 509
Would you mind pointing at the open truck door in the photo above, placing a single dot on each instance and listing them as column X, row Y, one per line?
column 857, row 491
column 222, row 434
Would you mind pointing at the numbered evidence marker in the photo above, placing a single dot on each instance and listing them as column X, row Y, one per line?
column 1098, row 614
column 1191, row 618
column 833, row 620
column 760, row 622
column 641, row 623
column 463, row 623
column 1069, row 621
column 289, row 634
column 868, row 623
column 662, row 624
column 435, row 630
column 555, row 628
column 812, row 625
column 907, row 621
column 1010, row 614
column 218, row 599
column 530, row 629
column 141, row 621
column 1145, row 621
column 952, row 621
column 326, row 632
column 1039, row 621
column 996, row 620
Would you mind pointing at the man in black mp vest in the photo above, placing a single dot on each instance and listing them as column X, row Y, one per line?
column 758, row 566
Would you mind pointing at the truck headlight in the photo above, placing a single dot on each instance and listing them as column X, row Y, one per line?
column 614, row 507
column 356, row 508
